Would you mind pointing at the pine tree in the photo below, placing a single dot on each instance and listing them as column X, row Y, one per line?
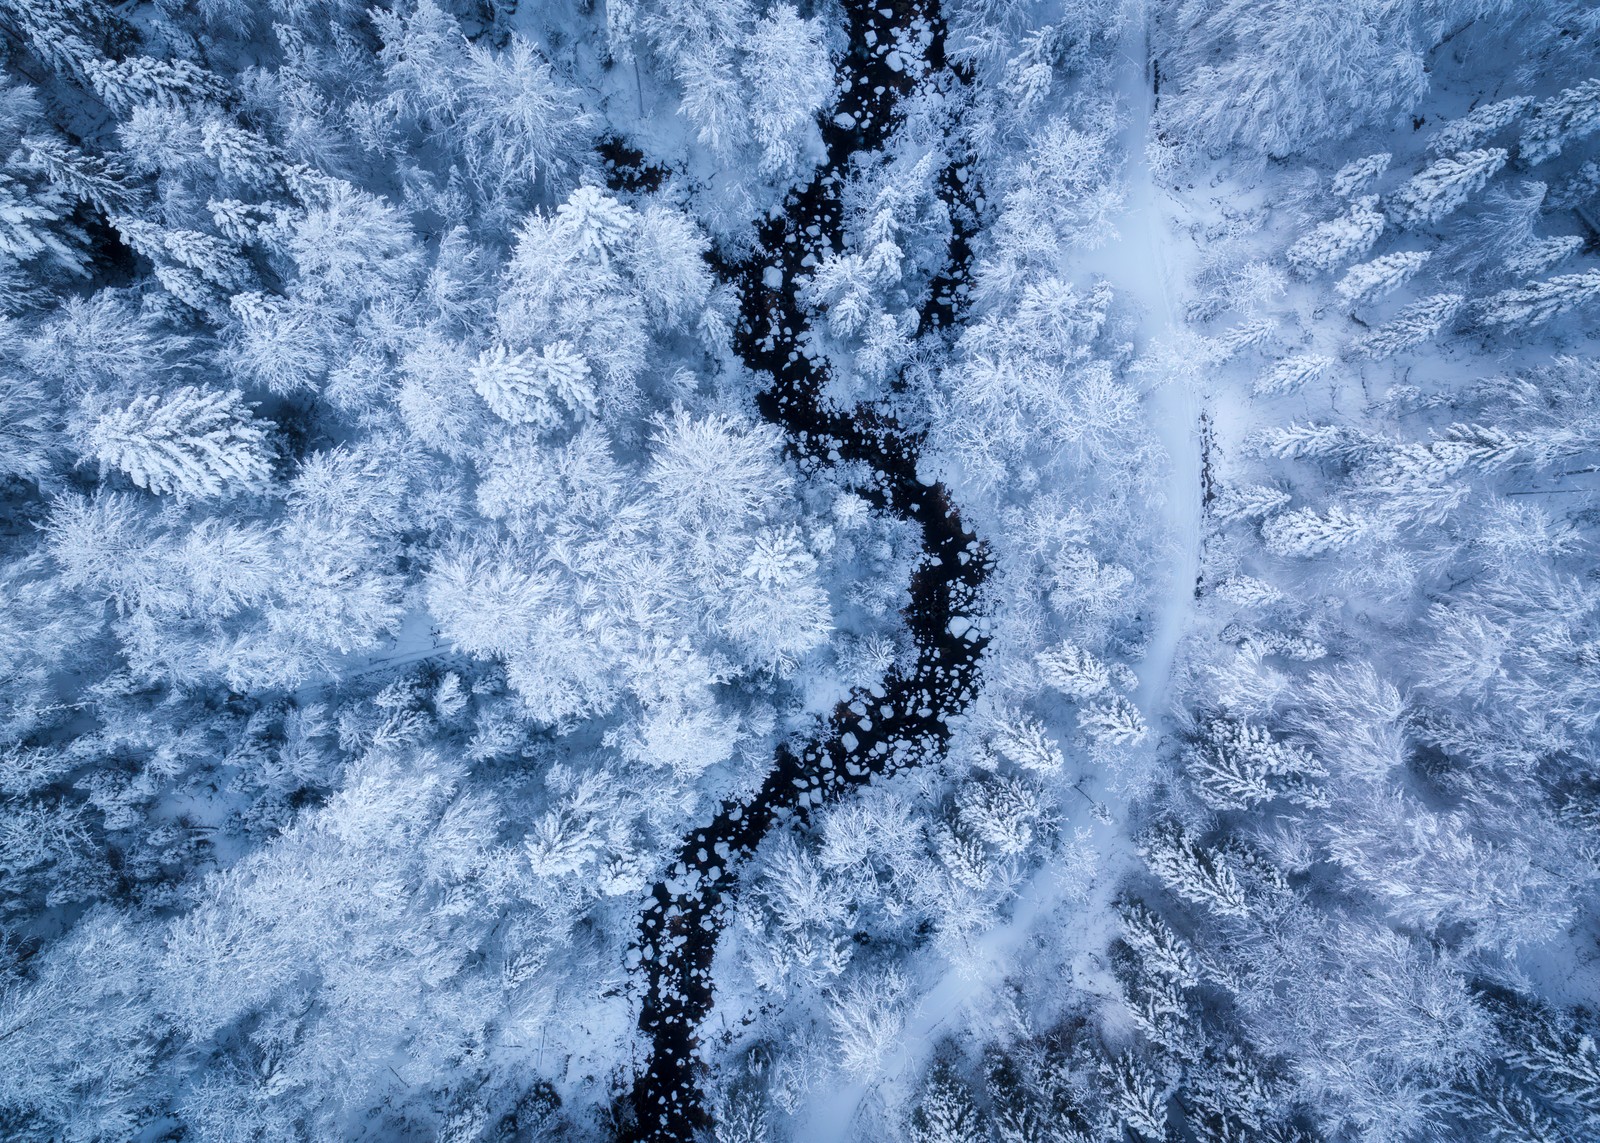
column 1135, row 1096
column 1237, row 766
column 1073, row 671
column 1291, row 373
column 1477, row 125
column 1372, row 280
column 1539, row 302
column 1443, row 186
column 1507, row 1115
column 95, row 179
column 1247, row 591
column 27, row 436
column 1160, row 950
column 1570, row 116
column 946, row 1112
column 192, row 441
column 239, row 154
column 1304, row 533
column 31, row 225
column 742, row 1118
column 1577, row 190
column 1158, row 1009
column 1349, row 236
column 1231, row 1101
column 1560, row 1058
column 867, row 1019
column 598, row 223
column 1004, row 813
column 786, row 64
column 1255, row 333
column 1542, row 254
column 1352, row 178
column 278, row 343
column 538, row 389
column 666, row 261
column 1113, row 722
column 1297, row 440
column 1250, row 502
column 125, row 84
column 1026, row 742
column 521, row 122
column 1194, row 872
column 1414, row 325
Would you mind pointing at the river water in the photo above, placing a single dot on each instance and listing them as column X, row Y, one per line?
column 875, row 731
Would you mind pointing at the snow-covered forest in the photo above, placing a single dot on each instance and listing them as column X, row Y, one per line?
column 945, row 571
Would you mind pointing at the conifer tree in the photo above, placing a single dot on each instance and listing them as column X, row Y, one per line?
column 1443, row 186
column 1073, row 671
column 1372, row 280
column 595, row 221
column 1250, row 502
column 1349, row 236
column 1237, row 765
column 1539, row 302
column 1113, row 721
column 1135, row 1096
column 1160, row 949
column 946, row 1112
column 538, row 389
column 193, row 441
column 125, row 84
column 95, row 179
column 1353, row 178
column 1414, row 325
column 1305, row 533
column 1570, row 116
column 32, row 224
column 1291, row 373
column 1477, row 125
column 1194, row 872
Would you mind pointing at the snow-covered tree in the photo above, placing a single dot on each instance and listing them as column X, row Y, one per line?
column 945, row 1112
column 1160, row 950
column 1194, row 872
column 199, row 442
column 1306, row 533
column 1073, row 671
column 786, row 65
column 1292, row 373
column 1442, row 186
column 1414, row 325
column 1355, row 176
column 866, row 1016
column 1369, row 281
column 126, row 83
column 1281, row 79
column 1136, row 1096
column 1237, row 765
column 1539, row 302
column 1349, row 236
column 33, row 224
column 1478, row 125
column 1113, row 722
column 540, row 389
column 1555, row 123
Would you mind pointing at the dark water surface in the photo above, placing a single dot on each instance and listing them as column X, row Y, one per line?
column 876, row 731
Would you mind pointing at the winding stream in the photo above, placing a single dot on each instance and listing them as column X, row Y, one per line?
column 878, row 730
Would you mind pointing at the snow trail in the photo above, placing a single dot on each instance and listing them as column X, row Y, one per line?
column 1137, row 265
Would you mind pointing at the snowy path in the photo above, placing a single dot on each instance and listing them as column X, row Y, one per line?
column 1137, row 264
column 1172, row 405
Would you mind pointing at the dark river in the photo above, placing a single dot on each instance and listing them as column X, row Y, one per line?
column 874, row 732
